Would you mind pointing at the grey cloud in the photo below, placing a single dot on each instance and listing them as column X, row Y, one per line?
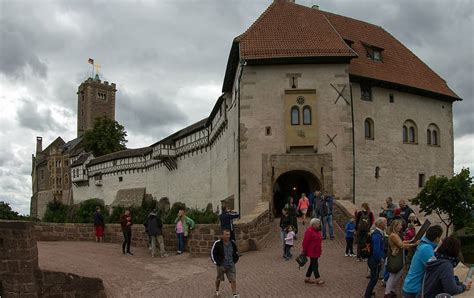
column 29, row 115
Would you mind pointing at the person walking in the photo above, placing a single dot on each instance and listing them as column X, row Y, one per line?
column 375, row 260
column 284, row 223
column 126, row 224
column 312, row 248
column 224, row 255
column 154, row 229
column 99, row 225
column 350, row 231
column 424, row 251
column 327, row 218
column 395, row 256
column 292, row 213
column 183, row 225
column 303, row 206
column 439, row 277
column 227, row 220
column 289, row 242
column 364, row 220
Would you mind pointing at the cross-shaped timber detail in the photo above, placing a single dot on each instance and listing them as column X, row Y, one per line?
column 331, row 140
column 340, row 94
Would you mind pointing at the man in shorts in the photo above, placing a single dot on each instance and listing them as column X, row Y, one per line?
column 224, row 255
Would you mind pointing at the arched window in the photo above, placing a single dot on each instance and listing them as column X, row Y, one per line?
column 428, row 137
column 306, row 115
column 410, row 132
column 435, row 138
column 432, row 134
column 369, row 129
column 295, row 115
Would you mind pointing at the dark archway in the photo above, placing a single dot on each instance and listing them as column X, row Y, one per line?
column 293, row 183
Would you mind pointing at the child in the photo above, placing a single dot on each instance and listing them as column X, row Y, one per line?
column 350, row 230
column 290, row 237
column 410, row 232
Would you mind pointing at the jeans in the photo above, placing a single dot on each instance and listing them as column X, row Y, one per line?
column 287, row 251
column 160, row 242
column 282, row 237
column 127, row 240
column 349, row 246
column 327, row 220
column 180, row 237
column 313, row 268
column 410, row 295
column 374, row 267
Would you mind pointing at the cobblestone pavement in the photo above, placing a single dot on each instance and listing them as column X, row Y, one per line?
column 260, row 273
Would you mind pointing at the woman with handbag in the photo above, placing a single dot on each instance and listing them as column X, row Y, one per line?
column 395, row 256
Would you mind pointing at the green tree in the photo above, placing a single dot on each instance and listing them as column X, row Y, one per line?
column 107, row 136
column 56, row 212
column 6, row 212
column 452, row 200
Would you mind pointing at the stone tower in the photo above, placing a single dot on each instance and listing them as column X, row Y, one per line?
column 94, row 99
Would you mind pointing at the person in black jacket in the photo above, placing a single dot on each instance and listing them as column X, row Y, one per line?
column 99, row 225
column 285, row 221
column 224, row 255
column 226, row 219
column 154, row 229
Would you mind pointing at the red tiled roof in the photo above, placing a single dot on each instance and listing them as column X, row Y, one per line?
column 289, row 30
column 399, row 65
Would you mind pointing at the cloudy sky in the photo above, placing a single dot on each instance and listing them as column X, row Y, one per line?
column 168, row 60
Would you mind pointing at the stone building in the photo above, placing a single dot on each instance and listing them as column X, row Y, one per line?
column 51, row 167
column 311, row 100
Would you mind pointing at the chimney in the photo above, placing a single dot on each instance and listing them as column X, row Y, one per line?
column 39, row 145
column 315, row 6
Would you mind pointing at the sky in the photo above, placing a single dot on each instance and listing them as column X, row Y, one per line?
column 168, row 60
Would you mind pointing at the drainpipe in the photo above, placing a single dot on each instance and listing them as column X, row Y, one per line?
column 242, row 64
column 353, row 147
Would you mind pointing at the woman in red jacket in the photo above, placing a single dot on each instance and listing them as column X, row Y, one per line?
column 312, row 247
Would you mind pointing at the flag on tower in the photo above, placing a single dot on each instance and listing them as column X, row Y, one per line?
column 91, row 61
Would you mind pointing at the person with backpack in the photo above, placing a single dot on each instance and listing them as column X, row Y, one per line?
column 364, row 220
column 154, row 229
column 224, row 255
column 377, row 255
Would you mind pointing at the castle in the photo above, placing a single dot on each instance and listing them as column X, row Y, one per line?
column 310, row 101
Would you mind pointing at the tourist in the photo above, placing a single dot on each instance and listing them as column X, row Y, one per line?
column 405, row 211
column 410, row 232
column 303, row 205
column 440, row 270
column 224, row 255
column 292, row 212
column 412, row 219
column 364, row 220
column 318, row 205
column 377, row 255
column 284, row 223
column 326, row 220
column 424, row 251
column 227, row 220
column 312, row 247
column 154, row 229
column 395, row 256
column 289, row 241
column 311, row 203
column 126, row 224
column 99, row 225
column 389, row 210
column 183, row 225
column 350, row 230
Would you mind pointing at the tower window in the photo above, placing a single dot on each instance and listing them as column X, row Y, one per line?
column 391, row 98
column 410, row 134
column 268, row 131
column 432, row 135
column 421, row 180
column 307, row 115
column 295, row 115
column 102, row 96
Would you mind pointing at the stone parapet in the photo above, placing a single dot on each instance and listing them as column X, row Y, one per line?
column 342, row 211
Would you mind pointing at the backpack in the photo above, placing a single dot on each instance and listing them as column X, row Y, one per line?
column 366, row 250
column 364, row 222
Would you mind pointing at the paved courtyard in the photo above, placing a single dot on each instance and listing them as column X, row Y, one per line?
column 260, row 273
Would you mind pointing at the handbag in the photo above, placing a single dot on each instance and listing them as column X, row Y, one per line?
column 394, row 263
column 301, row 260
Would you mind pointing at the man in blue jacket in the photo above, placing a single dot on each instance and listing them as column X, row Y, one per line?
column 376, row 258
column 424, row 251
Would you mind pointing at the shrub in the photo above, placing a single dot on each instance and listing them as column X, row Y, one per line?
column 56, row 212
column 139, row 213
column 202, row 216
column 170, row 217
column 85, row 211
column 6, row 212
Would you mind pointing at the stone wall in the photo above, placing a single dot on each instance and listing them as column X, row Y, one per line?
column 249, row 232
column 20, row 275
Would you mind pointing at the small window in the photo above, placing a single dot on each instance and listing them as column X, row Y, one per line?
column 120, row 179
column 295, row 116
column 428, row 137
column 365, row 92
column 268, row 131
column 421, row 180
column 306, row 115
column 369, row 129
column 391, row 98
column 434, row 139
column 102, row 96
column 410, row 132
column 405, row 134
column 377, row 172
column 377, row 55
column 432, row 135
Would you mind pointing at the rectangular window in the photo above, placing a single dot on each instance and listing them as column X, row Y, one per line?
column 102, row 96
column 365, row 92
column 120, row 179
column 391, row 98
column 421, row 180
column 268, row 131
column 377, row 55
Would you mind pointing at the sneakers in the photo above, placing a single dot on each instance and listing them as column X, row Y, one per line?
column 129, row 253
column 179, row 252
column 352, row 255
column 164, row 255
column 346, row 255
column 217, row 294
column 236, row 296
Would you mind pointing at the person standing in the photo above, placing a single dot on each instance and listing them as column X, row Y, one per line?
column 405, row 210
column 312, row 248
column 291, row 207
column 303, row 206
column 154, row 229
column 99, row 225
column 224, row 255
column 364, row 220
column 424, row 251
column 389, row 211
column 327, row 218
column 183, row 225
column 376, row 258
column 350, row 231
column 227, row 220
column 284, row 223
column 289, row 241
column 126, row 224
